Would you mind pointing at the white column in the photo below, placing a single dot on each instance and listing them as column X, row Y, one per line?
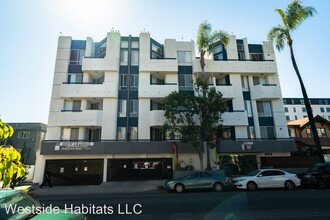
column 105, row 169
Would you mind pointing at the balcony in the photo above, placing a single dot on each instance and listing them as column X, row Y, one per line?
column 87, row 90
column 228, row 91
column 236, row 66
column 265, row 91
column 156, row 117
column 90, row 64
column 235, row 118
column 80, row 118
column 157, row 91
column 159, row 65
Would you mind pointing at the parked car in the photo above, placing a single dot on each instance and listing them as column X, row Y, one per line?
column 199, row 180
column 15, row 204
column 318, row 175
column 267, row 178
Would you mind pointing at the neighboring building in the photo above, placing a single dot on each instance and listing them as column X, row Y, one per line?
column 300, row 130
column 295, row 108
column 106, row 112
column 27, row 138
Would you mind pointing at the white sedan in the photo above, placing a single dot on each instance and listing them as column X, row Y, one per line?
column 267, row 178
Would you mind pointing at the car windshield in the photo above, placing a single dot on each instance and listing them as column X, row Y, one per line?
column 253, row 173
column 10, row 205
column 316, row 168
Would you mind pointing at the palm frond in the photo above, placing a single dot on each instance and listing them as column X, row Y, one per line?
column 297, row 13
column 203, row 35
column 221, row 36
column 283, row 15
column 278, row 36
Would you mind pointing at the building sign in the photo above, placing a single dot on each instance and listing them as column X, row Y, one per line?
column 247, row 146
column 74, row 146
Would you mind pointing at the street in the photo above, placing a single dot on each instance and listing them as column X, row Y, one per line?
column 229, row 205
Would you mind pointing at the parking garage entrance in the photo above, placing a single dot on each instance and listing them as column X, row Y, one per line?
column 75, row 172
column 139, row 169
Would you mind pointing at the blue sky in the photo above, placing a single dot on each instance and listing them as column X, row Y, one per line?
column 30, row 29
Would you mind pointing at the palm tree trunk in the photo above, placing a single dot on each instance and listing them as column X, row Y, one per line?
column 208, row 162
column 308, row 109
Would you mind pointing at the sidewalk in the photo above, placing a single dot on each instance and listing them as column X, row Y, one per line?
column 117, row 187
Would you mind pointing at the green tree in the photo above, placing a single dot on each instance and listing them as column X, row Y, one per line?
column 194, row 118
column 294, row 15
column 205, row 39
column 11, row 167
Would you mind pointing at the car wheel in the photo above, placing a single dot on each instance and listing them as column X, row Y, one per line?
column 218, row 187
column 289, row 185
column 251, row 186
column 320, row 183
column 179, row 188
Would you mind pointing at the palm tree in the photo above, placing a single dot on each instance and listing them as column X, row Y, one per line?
column 294, row 15
column 205, row 38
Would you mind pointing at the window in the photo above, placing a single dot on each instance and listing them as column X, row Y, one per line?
column 123, row 57
column 133, row 133
column 122, row 108
column 124, row 44
column 134, row 57
column 94, row 134
column 102, row 49
column 75, row 78
column 321, row 132
column 251, row 133
column 76, row 56
column 259, row 80
column 267, row 132
column 226, row 133
column 218, row 52
column 322, row 109
column 292, row 132
column 303, row 109
column 309, row 133
column 287, row 117
column 121, row 133
column 156, row 81
column 156, row 52
column 97, row 106
column 247, row 105
column 72, row 105
column 23, row 135
column 185, row 82
column 240, row 50
column 184, row 57
column 286, row 109
column 302, row 101
column 135, row 44
column 294, row 109
column 99, row 80
column 123, row 82
column 134, row 82
column 134, row 108
column 74, row 135
column 70, row 134
column 328, row 109
column 264, row 109
column 245, row 84
column 305, row 116
column 256, row 56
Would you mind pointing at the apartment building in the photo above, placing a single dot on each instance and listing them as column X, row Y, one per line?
column 295, row 108
column 106, row 112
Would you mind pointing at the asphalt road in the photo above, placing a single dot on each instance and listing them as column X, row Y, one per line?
column 229, row 205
